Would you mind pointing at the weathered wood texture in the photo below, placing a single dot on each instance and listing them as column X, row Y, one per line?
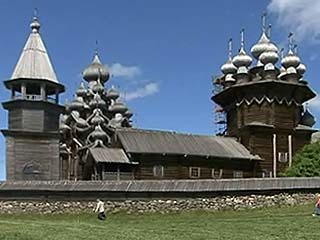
column 153, row 188
column 178, row 167
column 32, row 158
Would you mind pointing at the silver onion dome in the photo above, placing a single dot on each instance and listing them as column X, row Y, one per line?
column 98, row 87
column 81, row 91
column 118, row 107
column 264, row 44
column 229, row 67
column 96, row 70
column 128, row 114
column 261, row 46
column 290, row 60
column 97, row 119
column 77, row 103
column 98, row 134
column 112, row 93
column 269, row 57
column 301, row 69
column 242, row 59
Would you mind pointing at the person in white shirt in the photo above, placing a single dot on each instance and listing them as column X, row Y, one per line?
column 100, row 209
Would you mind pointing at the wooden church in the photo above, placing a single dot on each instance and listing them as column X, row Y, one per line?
column 92, row 137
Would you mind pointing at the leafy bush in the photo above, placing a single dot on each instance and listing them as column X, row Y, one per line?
column 306, row 162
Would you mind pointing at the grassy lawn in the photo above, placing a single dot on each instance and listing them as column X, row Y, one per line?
column 272, row 223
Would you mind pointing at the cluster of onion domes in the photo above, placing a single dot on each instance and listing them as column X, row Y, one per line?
column 266, row 55
column 95, row 111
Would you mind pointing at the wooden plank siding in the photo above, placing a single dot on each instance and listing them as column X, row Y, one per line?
column 33, row 119
column 15, row 119
column 178, row 167
column 32, row 150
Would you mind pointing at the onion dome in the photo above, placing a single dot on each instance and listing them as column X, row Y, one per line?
column 97, row 119
column 264, row 45
column 269, row 57
column 301, row 69
column 118, row 107
column 229, row 67
column 81, row 91
column 291, row 70
column 261, row 46
column 97, row 101
column 307, row 119
column 291, row 59
column 128, row 114
column 112, row 93
column 100, row 101
column 96, row 70
column 77, row 103
column 98, row 87
column 242, row 59
column 62, row 122
column 98, row 134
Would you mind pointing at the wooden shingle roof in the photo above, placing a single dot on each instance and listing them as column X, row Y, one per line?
column 165, row 142
column 109, row 155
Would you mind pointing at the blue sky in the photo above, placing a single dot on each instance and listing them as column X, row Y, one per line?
column 162, row 53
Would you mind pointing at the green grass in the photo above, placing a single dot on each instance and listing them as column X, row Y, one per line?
column 271, row 223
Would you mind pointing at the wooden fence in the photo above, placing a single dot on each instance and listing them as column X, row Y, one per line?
column 141, row 189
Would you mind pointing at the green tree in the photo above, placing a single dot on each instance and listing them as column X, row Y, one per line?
column 306, row 162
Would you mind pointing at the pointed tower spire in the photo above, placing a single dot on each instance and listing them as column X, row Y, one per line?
column 34, row 61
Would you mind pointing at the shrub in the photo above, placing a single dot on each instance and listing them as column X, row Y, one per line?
column 306, row 162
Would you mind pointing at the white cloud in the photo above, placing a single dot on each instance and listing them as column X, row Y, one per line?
column 299, row 16
column 147, row 90
column 119, row 70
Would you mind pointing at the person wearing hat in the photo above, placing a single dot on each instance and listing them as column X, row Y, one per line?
column 100, row 209
column 317, row 208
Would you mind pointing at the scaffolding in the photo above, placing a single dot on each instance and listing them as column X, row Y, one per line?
column 220, row 123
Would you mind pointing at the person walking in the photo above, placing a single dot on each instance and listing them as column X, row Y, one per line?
column 100, row 209
column 317, row 207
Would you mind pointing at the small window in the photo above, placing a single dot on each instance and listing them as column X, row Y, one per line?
column 216, row 173
column 237, row 174
column 158, row 171
column 194, row 172
column 266, row 174
column 283, row 157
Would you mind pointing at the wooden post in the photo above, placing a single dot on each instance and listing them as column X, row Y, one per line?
column 23, row 90
column 274, row 155
column 43, row 92
column 290, row 149
column 118, row 173
column 57, row 97
column 13, row 93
